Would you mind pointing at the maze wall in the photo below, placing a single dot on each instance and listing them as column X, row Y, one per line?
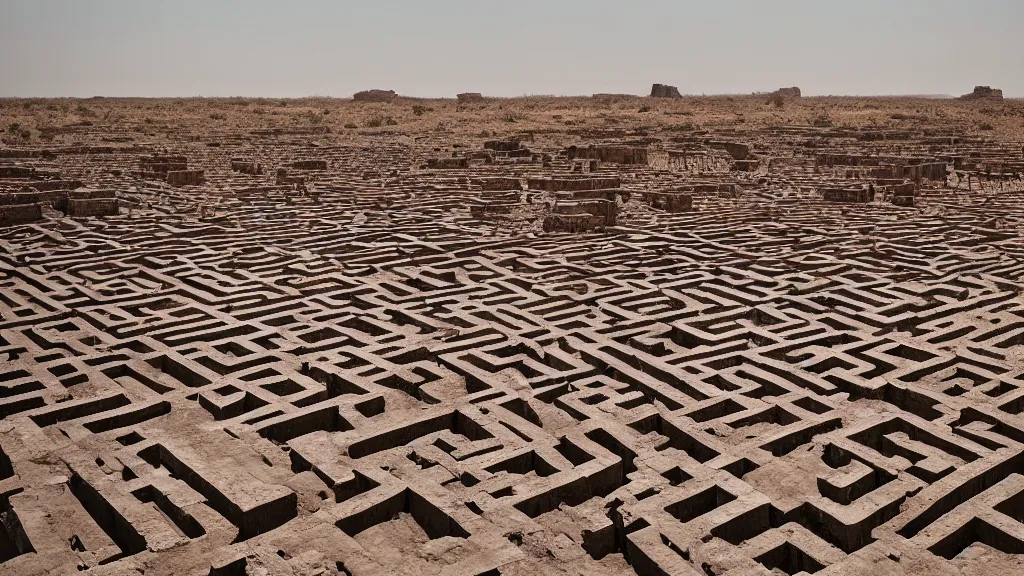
column 369, row 379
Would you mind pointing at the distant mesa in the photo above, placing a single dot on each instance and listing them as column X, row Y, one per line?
column 984, row 93
column 470, row 97
column 375, row 96
column 665, row 91
column 792, row 92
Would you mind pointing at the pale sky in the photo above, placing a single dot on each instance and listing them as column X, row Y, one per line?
column 434, row 48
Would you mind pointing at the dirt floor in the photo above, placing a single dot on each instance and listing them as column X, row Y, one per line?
column 583, row 336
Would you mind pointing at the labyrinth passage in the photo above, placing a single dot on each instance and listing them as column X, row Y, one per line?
column 743, row 351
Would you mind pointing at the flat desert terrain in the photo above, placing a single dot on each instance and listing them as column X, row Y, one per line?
column 699, row 336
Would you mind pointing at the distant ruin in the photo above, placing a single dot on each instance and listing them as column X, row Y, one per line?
column 375, row 95
column 665, row 91
column 792, row 92
column 984, row 93
column 470, row 97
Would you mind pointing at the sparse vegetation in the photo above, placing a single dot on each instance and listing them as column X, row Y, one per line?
column 512, row 116
column 19, row 131
column 378, row 121
column 85, row 111
column 822, row 121
column 498, row 116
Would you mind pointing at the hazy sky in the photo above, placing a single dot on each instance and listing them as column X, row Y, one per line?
column 506, row 48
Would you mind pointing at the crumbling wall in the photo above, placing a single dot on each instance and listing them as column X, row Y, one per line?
column 375, row 95
column 11, row 214
column 570, row 184
column 186, row 177
column 984, row 93
column 665, row 91
column 611, row 153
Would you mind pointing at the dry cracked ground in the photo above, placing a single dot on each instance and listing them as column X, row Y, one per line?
column 609, row 335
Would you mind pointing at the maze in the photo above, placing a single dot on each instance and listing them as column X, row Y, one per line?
column 746, row 351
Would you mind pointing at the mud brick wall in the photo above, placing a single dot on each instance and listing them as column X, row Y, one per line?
column 163, row 164
column 448, row 163
column 502, row 145
column 8, row 171
column 570, row 184
column 20, row 213
column 55, row 185
column 308, row 165
column 738, row 150
column 669, row 201
column 92, row 207
column 500, row 183
column 850, row 195
column 616, row 154
column 246, row 167
column 185, row 177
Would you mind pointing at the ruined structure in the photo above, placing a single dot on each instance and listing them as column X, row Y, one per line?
column 731, row 348
column 246, row 166
column 448, row 163
column 470, row 97
column 665, row 91
column 185, row 177
column 609, row 153
column 374, row 95
column 983, row 93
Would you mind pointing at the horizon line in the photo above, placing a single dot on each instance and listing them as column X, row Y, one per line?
column 486, row 97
